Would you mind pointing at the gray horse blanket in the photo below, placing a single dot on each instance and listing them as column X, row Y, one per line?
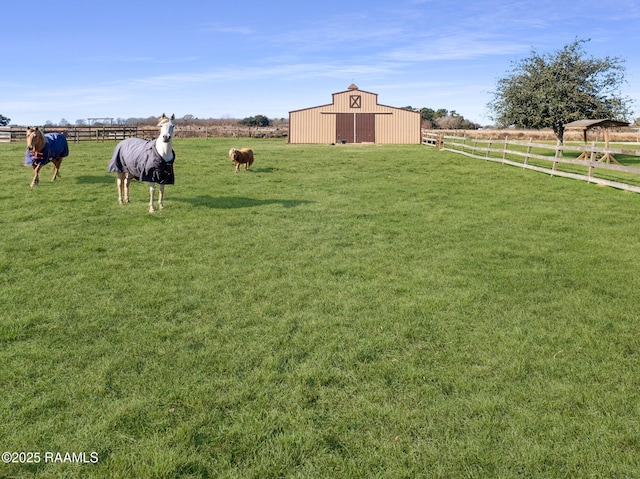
column 56, row 147
column 142, row 161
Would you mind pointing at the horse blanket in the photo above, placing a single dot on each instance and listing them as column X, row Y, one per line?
column 56, row 147
column 142, row 161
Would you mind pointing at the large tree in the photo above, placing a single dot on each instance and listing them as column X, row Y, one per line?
column 548, row 91
column 258, row 120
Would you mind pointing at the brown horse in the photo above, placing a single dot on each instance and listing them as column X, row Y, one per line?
column 43, row 149
column 241, row 157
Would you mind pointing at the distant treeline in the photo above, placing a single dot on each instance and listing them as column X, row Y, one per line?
column 431, row 119
column 444, row 119
column 253, row 121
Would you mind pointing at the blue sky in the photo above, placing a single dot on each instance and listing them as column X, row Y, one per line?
column 212, row 59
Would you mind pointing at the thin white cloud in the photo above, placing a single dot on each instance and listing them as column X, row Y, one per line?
column 155, row 60
column 228, row 29
column 454, row 48
column 244, row 73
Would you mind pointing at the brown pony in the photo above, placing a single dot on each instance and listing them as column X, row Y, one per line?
column 43, row 149
column 241, row 157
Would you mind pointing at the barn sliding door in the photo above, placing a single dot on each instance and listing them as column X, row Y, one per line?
column 355, row 127
column 366, row 128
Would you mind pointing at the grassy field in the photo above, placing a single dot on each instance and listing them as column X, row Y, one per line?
column 337, row 312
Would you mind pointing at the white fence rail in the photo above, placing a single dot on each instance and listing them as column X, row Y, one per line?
column 593, row 164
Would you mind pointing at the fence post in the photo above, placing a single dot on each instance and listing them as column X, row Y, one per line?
column 527, row 156
column 557, row 155
column 592, row 160
column 504, row 151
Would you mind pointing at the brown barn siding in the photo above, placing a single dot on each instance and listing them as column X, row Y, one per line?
column 311, row 126
column 399, row 128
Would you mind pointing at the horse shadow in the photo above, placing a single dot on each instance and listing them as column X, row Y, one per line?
column 94, row 180
column 232, row 202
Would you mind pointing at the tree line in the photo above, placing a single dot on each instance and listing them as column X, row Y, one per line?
column 443, row 119
column 253, row 121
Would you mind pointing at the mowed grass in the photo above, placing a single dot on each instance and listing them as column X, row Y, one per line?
column 336, row 312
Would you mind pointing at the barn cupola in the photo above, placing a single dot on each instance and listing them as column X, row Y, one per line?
column 353, row 86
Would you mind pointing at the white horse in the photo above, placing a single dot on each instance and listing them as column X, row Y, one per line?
column 150, row 161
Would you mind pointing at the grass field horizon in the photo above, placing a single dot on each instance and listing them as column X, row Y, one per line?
column 337, row 311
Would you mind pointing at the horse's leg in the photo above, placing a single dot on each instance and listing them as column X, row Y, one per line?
column 120, row 185
column 161, row 196
column 152, row 187
column 36, row 177
column 122, row 182
column 56, row 168
column 127, row 182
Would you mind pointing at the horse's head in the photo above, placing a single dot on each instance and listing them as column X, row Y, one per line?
column 166, row 127
column 35, row 139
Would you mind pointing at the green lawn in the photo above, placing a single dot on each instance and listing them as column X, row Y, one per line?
column 336, row 312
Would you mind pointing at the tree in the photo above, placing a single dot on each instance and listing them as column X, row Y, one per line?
column 548, row 91
column 428, row 114
column 4, row 121
column 450, row 122
column 258, row 120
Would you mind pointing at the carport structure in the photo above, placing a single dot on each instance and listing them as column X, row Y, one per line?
column 585, row 125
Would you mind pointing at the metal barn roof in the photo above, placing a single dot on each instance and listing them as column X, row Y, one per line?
column 586, row 124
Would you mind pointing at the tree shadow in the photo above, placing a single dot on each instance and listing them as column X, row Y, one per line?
column 231, row 202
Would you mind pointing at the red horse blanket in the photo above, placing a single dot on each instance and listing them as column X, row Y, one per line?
column 56, row 147
column 142, row 161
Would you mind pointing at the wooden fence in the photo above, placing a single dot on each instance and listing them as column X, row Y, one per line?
column 83, row 133
column 587, row 163
column 5, row 134
column 77, row 133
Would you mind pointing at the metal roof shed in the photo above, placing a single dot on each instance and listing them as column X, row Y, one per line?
column 585, row 125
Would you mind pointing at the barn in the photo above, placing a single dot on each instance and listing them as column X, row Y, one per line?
column 354, row 116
